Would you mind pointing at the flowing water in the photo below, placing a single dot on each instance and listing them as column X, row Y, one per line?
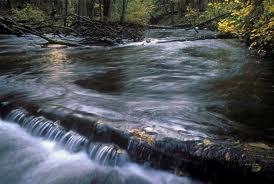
column 198, row 89
column 71, row 141
column 28, row 160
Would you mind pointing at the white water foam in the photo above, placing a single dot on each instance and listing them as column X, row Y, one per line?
column 25, row 159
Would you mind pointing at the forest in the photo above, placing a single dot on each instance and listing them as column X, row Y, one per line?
column 136, row 92
column 250, row 20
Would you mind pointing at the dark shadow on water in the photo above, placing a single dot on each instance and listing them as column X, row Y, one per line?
column 249, row 98
column 109, row 82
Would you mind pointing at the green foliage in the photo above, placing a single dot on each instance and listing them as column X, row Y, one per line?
column 234, row 23
column 260, row 28
column 255, row 22
column 29, row 12
column 194, row 16
column 139, row 10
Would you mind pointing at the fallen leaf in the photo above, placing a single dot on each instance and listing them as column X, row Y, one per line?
column 227, row 156
column 260, row 145
column 142, row 135
column 207, row 142
column 256, row 167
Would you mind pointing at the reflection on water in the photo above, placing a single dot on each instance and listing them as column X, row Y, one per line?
column 57, row 59
column 55, row 46
column 56, row 55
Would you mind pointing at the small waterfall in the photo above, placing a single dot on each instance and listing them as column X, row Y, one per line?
column 106, row 154
column 73, row 141
column 37, row 126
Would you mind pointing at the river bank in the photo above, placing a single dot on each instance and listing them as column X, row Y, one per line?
column 91, row 32
column 251, row 21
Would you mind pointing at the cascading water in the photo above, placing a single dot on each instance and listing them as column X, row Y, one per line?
column 26, row 159
column 37, row 126
column 105, row 154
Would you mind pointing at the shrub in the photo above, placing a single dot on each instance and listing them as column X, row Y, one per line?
column 253, row 20
column 29, row 12
column 139, row 11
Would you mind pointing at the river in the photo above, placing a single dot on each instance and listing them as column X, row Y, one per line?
column 200, row 89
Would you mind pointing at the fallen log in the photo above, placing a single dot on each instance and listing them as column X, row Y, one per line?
column 207, row 37
column 21, row 29
column 91, row 30
column 219, row 161
column 209, row 21
column 180, row 26
column 189, row 26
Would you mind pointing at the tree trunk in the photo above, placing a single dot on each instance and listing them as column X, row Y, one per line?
column 83, row 12
column 124, row 9
column 91, row 5
column 65, row 13
column 12, row 3
column 107, row 9
column 203, row 5
column 172, row 7
column 182, row 7
column 199, row 4
column 100, row 6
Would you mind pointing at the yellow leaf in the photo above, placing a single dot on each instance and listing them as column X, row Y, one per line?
column 142, row 135
column 260, row 145
column 207, row 142
column 253, row 44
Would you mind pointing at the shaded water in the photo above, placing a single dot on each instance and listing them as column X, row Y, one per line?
column 196, row 89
